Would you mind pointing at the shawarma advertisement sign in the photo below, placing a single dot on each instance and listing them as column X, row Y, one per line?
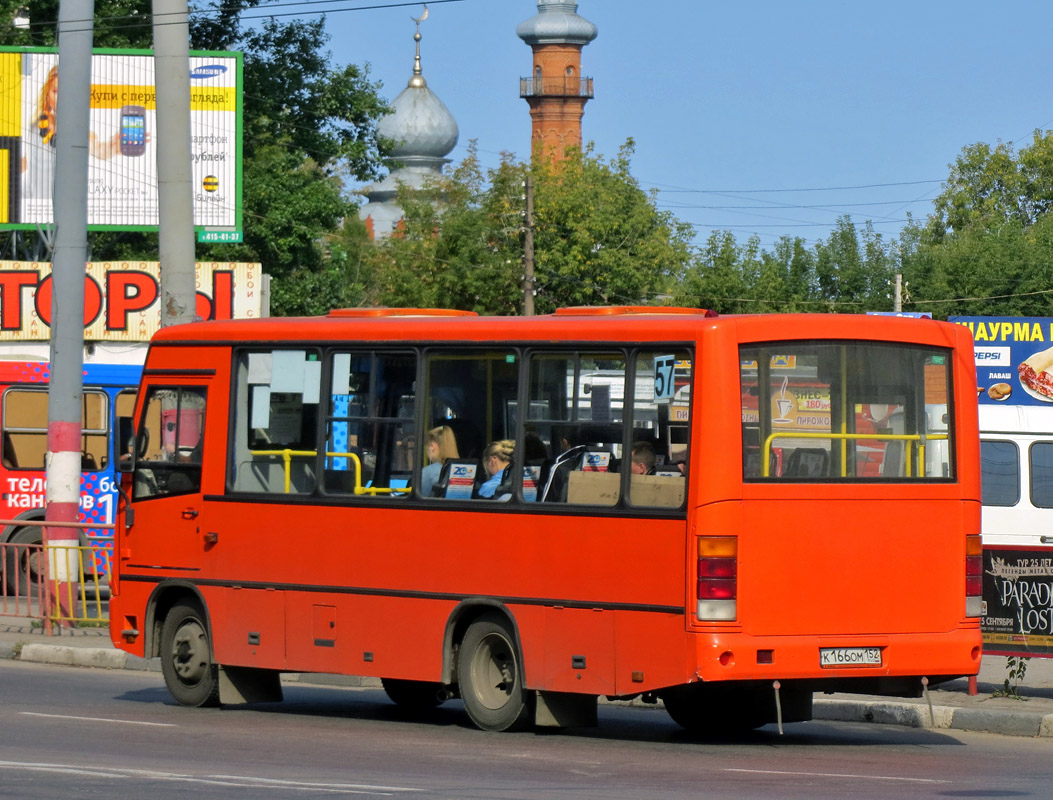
column 1014, row 359
column 122, row 139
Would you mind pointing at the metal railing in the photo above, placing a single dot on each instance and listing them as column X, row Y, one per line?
column 62, row 584
column 910, row 440
column 287, row 456
column 555, row 87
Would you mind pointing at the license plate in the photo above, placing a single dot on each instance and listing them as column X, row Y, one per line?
column 832, row 657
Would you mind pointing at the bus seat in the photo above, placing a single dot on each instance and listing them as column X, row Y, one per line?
column 806, row 462
column 555, row 482
column 457, row 480
column 535, row 475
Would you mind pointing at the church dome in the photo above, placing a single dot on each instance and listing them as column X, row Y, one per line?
column 557, row 22
column 420, row 124
column 424, row 131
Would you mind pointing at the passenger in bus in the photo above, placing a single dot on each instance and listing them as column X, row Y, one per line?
column 571, row 449
column 643, row 459
column 496, row 459
column 441, row 444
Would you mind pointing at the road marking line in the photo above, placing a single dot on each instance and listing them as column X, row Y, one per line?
column 240, row 781
column 100, row 719
column 835, row 775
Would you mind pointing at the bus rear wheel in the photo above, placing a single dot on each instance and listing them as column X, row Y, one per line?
column 491, row 677
column 414, row 695
column 186, row 657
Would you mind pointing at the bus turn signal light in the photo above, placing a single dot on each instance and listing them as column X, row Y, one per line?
column 974, row 579
column 717, row 578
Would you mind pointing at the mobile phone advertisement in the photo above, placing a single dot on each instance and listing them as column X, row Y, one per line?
column 122, row 139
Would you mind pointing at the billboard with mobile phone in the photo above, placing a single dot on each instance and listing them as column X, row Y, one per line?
column 122, row 146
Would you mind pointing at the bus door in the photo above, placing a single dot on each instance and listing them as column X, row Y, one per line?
column 167, row 530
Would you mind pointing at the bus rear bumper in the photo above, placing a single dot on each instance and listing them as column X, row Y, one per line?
column 838, row 663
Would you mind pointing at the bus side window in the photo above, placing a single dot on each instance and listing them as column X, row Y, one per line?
column 370, row 429
column 661, row 418
column 473, row 393
column 25, row 418
column 999, row 473
column 276, row 421
column 1041, row 455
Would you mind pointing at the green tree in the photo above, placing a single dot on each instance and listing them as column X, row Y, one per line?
column 988, row 246
column 598, row 238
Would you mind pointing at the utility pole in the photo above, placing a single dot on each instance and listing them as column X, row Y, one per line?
column 528, row 251
column 174, row 191
column 897, row 298
column 66, row 388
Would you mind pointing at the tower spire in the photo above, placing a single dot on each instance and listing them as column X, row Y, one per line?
column 418, row 76
column 557, row 91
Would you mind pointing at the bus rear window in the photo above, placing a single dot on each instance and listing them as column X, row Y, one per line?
column 836, row 411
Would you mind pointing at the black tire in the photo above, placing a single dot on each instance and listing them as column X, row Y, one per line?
column 491, row 677
column 186, row 657
column 25, row 565
column 713, row 710
column 414, row 695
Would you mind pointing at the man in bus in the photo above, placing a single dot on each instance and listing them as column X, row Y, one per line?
column 643, row 459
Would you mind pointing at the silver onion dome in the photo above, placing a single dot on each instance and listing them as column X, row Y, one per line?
column 557, row 22
column 424, row 131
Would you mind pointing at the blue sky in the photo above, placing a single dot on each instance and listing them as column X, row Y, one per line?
column 728, row 100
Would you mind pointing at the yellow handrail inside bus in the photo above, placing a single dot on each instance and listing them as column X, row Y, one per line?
column 890, row 437
column 288, row 454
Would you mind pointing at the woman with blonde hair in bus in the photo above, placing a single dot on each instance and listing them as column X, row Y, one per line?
column 440, row 444
column 497, row 457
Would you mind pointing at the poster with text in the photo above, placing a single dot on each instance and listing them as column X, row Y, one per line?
column 122, row 139
column 1014, row 359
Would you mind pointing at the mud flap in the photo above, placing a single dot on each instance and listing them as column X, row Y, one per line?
column 565, row 710
column 239, row 685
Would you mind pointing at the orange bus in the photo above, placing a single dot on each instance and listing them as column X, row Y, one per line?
column 530, row 513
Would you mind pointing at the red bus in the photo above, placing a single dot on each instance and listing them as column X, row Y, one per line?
column 496, row 509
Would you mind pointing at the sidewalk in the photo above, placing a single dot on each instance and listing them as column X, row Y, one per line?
column 952, row 707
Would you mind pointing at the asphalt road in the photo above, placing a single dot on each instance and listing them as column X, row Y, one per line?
column 68, row 732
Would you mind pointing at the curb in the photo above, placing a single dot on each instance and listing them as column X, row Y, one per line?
column 886, row 712
column 100, row 657
column 914, row 715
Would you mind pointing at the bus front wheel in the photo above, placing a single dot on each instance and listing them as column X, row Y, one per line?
column 491, row 677
column 186, row 657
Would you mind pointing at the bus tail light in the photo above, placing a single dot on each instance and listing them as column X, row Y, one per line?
column 974, row 576
column 717, row 578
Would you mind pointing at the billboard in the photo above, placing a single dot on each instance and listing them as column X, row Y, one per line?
column 122, row 139
column 122, row 299
column 1014, row 359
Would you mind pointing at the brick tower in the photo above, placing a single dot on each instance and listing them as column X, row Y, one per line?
column 556, row 92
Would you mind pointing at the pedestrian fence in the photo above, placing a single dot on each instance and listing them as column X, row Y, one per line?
column 59, row 584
